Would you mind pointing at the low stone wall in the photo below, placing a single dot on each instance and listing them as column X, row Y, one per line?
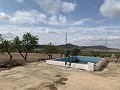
column 99, row 64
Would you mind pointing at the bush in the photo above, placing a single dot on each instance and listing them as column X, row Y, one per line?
column 14, row 63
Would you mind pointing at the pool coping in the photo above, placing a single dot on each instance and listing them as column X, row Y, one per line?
column 89, row 66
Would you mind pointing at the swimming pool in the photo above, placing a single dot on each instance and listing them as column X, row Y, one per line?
column 80, row 59
column 81, row 62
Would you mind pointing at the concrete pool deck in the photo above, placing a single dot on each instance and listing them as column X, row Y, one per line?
column 89, row 66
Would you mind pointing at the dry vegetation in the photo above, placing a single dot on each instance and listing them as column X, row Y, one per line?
column 41, row 76
column 31, row 56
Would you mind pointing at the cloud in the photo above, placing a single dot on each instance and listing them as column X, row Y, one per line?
column 50, row 6
column 54, row 20
column 4, row 16
column 24, row 17
column 8, row 35
column 30, row 16
column 76, row 35
column 68, row 7
column 62, row 19
column 55, row 6
column 110, row 8
column 81, row 22
column 20, row 1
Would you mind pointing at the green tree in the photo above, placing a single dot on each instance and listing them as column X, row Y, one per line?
column 27, row 44
column 7, row 46
column 61, row 51
column 117, row 55
column 93, row 53
column 75, row 52
column 67, row 53
column 18, row 45
column 49, row 49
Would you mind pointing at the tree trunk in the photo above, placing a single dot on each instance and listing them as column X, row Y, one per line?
column 26, row 56
column 116, row 60
column 9, row 55
column 50, row 56
column 22, row 56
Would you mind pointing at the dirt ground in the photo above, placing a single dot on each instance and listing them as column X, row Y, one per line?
column 41, row 76
column 31, row 56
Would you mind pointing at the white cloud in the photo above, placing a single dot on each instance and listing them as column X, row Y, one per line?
column 22, row 17
column 8, row 35
column 54, row 20
column 81, row 22
column 4, row 16
column 50, row 6
column 20, row 1
column 68, row 7
column 30, row 16
column 110, row 8
column 76, row 35
column 62, row 19
column 55, row 6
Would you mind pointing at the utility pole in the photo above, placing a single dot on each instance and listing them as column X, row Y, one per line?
column 66, row 44
column 66, row 49
column 105, row 46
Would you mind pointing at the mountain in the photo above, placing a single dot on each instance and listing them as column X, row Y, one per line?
column 71, row 46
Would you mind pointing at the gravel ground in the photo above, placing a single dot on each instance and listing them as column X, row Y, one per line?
column 41, row 76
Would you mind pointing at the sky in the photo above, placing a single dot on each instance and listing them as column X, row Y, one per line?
column 87, row 22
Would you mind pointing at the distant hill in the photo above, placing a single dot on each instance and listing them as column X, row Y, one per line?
column 95, row 47
column 71, row 46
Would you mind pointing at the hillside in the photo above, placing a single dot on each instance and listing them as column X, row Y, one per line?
column 71, row 46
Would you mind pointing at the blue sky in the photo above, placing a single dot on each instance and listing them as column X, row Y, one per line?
column 87, row 22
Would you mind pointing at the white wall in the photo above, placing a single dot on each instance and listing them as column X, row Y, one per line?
column 88, row 67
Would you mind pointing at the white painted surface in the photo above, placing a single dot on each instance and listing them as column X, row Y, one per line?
column 88, row 67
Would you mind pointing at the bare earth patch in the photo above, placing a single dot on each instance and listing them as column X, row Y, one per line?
column 41, row 76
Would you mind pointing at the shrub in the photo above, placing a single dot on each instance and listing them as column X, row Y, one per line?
column 14, row 63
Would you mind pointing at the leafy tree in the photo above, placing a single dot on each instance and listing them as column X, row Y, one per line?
column 61, row 51
column 7, row 46
column 49, row 49
column 67, row 53
column 18, row 45
column 117, row 55
column 103, row 55
column 75, row 52
column 93, row 53
column 26, row 45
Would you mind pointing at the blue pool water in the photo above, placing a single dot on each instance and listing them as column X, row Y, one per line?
column 80, row 59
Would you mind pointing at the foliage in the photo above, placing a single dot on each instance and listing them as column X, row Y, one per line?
column 7, row 46
column 26, row 45
column 117, row 55
column 49, row 49
column 93, row 53
column 13, row 63
column 17, row 44
column 103, row 55
column 29, row 42
column 67, row 53
column 75, row 52
column 61, row 51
